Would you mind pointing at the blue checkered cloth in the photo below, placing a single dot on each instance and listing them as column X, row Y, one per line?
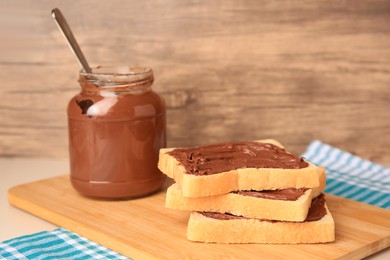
column 57, row 244
column 351, row 176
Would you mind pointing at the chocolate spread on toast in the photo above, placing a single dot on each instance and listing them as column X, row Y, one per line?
column 284, row 194
column 212, row 159
column 316, row 212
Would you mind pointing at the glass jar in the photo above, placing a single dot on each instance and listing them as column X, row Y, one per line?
column 116, row 128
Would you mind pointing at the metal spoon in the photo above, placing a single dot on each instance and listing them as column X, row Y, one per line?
column 67, row 32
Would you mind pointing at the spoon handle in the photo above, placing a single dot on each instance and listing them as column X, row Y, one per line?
column 66, row 31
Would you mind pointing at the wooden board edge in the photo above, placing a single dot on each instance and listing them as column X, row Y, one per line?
column 368, row 250
column 67, row 223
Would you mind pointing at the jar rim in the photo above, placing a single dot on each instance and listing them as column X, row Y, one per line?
column 117, row 75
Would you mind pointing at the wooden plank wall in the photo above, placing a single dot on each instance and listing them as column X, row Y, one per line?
column 229, row 70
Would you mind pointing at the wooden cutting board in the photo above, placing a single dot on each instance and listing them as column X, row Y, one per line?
column 143, row 228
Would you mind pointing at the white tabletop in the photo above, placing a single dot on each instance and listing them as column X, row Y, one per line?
column 15, row 222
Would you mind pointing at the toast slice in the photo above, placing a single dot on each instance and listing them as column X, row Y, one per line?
column 260, row 204
column 237, row 179
column 202, row 228
column 247, row 204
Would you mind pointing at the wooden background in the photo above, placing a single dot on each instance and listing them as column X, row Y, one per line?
column 229, row 70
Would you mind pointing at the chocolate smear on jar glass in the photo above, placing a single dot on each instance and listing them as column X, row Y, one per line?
column 84, row 105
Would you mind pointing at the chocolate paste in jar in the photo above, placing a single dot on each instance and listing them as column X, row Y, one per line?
column 116, row 128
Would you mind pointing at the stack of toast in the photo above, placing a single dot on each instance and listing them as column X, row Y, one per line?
column 248, row 192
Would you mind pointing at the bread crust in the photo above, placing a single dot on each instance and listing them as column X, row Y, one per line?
column 240, row 179
column 204, row 229
column 322, row 179
column 240, row 205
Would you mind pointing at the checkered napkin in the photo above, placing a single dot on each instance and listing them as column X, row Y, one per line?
column 350, row 176
column 57, row 244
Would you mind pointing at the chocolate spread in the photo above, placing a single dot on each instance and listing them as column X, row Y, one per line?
column 290, row 194
column 84, row 105
column 115, row 133
column 317, row 208
column 316, row 212
column 221, row 216
column 211, row 159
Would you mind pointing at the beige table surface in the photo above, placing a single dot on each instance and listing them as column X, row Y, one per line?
column 15, row 222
